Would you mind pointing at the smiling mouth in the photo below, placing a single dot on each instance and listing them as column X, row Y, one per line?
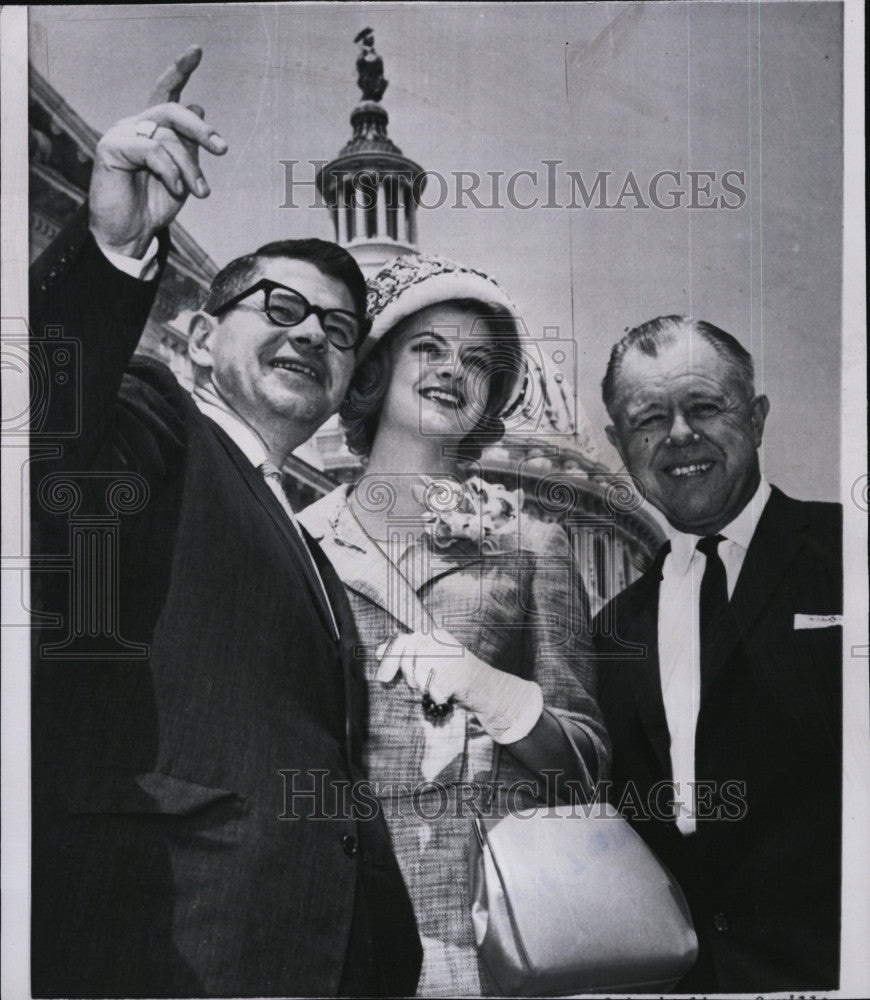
column 689, row 470
column 451, row 400
column 299, row 367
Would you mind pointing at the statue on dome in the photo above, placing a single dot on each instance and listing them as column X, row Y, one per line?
column 370, row 67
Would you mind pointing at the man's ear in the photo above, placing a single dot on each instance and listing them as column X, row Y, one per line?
column 202, row 326
column 758, row 410
column 613, row 437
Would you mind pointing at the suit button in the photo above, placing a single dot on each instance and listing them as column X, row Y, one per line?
column 349, row 845
column 720, row 923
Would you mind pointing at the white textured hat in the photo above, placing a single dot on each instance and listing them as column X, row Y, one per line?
column 415, row 281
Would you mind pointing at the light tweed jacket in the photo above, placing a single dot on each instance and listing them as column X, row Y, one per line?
column 521, row 608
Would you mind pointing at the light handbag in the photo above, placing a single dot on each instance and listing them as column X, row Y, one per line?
column 569, row 899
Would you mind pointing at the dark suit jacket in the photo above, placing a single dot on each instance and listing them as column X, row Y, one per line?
column 184, row 673
column 762, row 879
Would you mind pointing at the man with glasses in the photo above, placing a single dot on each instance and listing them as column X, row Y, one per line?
column 196, row 706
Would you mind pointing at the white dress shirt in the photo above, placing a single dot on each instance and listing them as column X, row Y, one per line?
column 679, row 638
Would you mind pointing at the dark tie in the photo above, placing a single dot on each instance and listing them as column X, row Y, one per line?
column 713, row 613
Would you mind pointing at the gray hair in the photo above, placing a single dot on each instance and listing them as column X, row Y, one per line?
column 651, row 336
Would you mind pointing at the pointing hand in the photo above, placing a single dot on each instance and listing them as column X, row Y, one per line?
column 146, row 165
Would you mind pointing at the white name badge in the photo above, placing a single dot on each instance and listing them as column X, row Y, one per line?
column 817, row 621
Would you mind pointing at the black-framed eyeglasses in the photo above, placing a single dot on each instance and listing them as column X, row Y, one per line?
column 287, row 307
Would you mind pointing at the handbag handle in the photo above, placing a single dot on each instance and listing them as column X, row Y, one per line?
column 588, row 783
column 402, row 591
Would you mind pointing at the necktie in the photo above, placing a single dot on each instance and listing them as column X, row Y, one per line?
column 275, row 482
column 713, row 607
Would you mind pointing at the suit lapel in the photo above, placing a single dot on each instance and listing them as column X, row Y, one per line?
column 639, row 624
column 775, row 543
column 252, row 479
column 365, row 569
column 630, row 686
column 354, row 684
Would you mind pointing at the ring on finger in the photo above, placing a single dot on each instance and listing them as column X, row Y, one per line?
column 146, row 128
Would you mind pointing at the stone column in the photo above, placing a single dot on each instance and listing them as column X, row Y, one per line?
column 412, row 222
column 401, row 218
column 382, row 209
column 347, row 210
column 359, row 215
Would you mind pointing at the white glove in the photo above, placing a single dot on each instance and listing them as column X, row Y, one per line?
column 435, row 663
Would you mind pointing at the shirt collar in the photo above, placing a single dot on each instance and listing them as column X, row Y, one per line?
column 742, row 528
column 243, row 435
column 739, row 531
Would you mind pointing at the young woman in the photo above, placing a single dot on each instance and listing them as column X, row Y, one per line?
column 471, row 613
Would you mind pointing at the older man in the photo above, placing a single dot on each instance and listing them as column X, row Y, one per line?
column 721, row 666
column 196, row 706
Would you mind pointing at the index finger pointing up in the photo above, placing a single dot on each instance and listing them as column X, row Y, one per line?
column 171, row 82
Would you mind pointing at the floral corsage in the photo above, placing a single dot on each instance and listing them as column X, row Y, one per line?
column 470, row 511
